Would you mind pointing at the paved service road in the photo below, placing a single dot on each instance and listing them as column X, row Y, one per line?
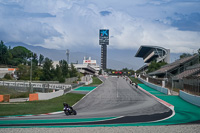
column 114, row 98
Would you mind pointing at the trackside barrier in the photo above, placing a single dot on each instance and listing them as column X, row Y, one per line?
column 156, row 87
column 33, row 97
column 190, row 98
column 1, row 98
column 4, row 98
column 47, row 96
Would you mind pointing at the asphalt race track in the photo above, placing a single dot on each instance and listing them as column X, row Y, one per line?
column 115, row 100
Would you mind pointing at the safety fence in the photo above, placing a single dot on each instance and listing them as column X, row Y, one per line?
column 31, row 87
column 156, row 81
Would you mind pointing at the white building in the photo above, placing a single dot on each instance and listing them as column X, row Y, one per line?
column 89, row 66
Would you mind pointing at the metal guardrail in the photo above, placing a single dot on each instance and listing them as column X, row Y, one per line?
column 28, row 86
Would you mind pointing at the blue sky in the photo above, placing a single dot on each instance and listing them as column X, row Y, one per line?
column 75, row 24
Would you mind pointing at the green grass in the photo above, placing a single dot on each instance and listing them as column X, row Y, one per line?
column 13, row 93
column 39, row 107
column 96, row 81
column 135, row 80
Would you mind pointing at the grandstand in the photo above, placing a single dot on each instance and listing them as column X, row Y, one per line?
column 153, row 53
column 193, row 70
column 176, row 67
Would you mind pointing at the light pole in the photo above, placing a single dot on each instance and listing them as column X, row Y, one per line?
column 31, row 74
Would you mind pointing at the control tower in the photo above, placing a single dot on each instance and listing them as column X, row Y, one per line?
column 103, row 41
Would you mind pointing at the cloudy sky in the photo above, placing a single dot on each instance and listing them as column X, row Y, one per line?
column 75, row 24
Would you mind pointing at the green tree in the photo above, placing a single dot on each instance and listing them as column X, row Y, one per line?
column 41, row 58
column 185, row 55
column 20, row 55
column 58, row 74
column 36, row 72
column 35, row 59
column 155, row 66
column 73, row 72
column 23, row 72
column 47, row 70
column 7, row 76
column 64, row 67
column 3, row 50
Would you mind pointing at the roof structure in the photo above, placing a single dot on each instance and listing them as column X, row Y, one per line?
column 174, row 65
column 150, row 53
column 190, row 71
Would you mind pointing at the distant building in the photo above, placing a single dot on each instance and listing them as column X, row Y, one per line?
column 4, row 71
column 89, row 66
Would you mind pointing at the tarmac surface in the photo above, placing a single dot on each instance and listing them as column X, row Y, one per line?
column 115, row 101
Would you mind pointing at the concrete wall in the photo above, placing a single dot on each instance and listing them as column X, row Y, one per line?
column 156, row 87
column 47, row 96
column 190, row 98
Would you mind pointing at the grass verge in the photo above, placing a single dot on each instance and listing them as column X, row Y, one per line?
column 96, row 81
column 39, row 107
column 135, row 80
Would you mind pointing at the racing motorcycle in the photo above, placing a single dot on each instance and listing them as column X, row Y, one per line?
column 69, row 110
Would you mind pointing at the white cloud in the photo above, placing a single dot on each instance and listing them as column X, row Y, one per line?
column 66, row 24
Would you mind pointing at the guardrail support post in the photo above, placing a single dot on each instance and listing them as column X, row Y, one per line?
column 163, row 84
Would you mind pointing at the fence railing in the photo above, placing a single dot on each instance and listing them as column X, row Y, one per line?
column 30, row 86
column 156, row 81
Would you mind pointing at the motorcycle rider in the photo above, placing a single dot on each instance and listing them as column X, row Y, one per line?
column 66, row 105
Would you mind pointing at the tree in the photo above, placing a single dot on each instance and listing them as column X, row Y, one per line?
column 41, row 58
column 20, row 55
column 36, row 72
column 58, row 74
column 73, row 72
column 35, row 59
column 47, row 70
column 185, row 55
column 3, row 50
column 64, row 67
column 155, row 66
column 23, row 72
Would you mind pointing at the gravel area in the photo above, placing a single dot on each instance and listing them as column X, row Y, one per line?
column 142, row 129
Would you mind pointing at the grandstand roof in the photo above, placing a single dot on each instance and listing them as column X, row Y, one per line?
column 173, row 65
column 149, row 53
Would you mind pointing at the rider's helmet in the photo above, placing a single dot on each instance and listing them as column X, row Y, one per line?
column 64, row 104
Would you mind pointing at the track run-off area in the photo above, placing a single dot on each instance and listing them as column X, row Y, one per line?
column 115, row 103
